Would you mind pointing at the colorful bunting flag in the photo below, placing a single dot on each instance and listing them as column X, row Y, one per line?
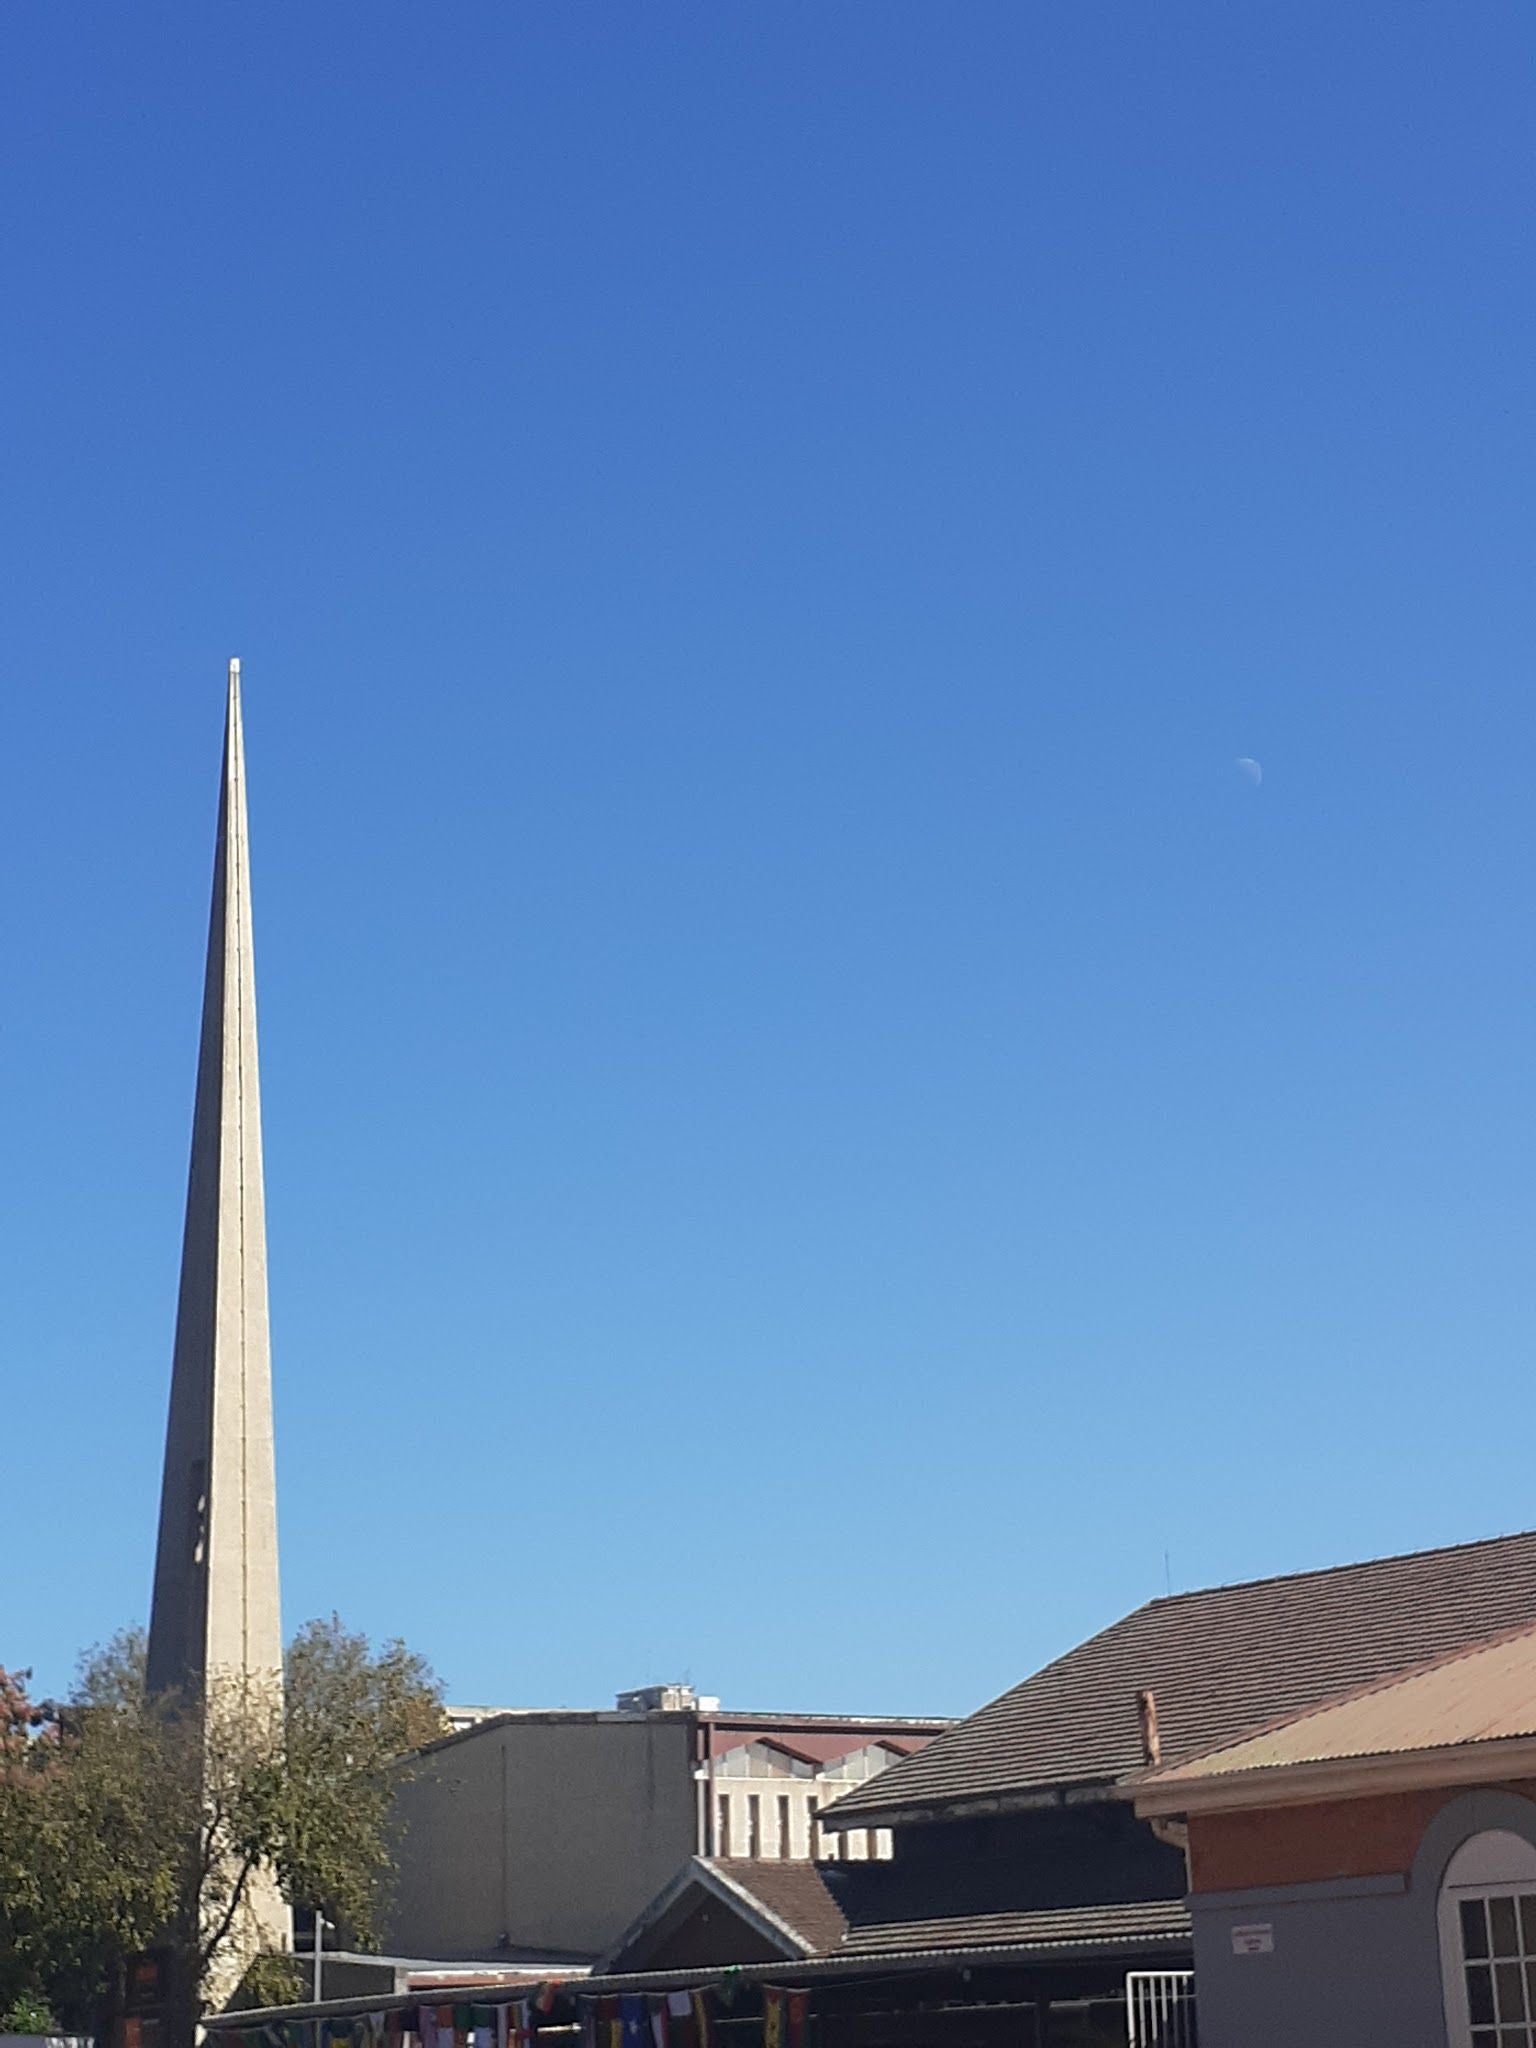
column 636, row 2028
column 784, row 2017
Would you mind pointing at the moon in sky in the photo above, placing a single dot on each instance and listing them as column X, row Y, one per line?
column 1250, row 770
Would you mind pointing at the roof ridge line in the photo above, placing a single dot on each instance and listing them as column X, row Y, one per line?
column 1325, row 1571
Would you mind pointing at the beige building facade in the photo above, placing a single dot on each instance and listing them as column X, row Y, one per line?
column 551, row 1830
column 767, row 1793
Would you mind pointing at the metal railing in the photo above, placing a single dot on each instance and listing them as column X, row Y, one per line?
column 1160, row 2008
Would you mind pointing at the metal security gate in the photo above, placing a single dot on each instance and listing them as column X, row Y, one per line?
column 1160, row 2008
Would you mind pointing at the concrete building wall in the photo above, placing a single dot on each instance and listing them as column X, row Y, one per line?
column 1352, row 1960
column 530, row 1834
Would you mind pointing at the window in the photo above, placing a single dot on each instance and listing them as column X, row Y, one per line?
column 1488, row 1943
column 821, row 1843
column 1498, row 1947
column 754, row 1825
column 723, row 1825
column 786, row 1845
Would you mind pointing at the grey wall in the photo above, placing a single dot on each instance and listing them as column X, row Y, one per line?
column 540, row 1835
column 1355, row 1963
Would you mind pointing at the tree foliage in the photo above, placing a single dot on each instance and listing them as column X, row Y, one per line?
column 129, row 1822
column 28, row 2015
column 352, row 1714
column 87, row 1844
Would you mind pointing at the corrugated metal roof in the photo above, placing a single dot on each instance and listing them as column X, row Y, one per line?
column 1487, row 1694
column 1222, row 1663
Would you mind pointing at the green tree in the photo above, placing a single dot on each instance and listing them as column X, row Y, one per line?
column 129, row 1822
column 352, row 1714
column 28, row 2015
column 28, row 1752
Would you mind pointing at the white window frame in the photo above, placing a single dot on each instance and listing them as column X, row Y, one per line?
column 1494, row 1864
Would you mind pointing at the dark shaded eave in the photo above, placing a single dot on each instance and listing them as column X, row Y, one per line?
column 975, row 1806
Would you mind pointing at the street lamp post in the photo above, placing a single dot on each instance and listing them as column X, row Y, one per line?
column 321, row 1923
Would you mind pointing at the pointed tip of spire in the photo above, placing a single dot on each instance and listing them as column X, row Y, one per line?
column 234, row 672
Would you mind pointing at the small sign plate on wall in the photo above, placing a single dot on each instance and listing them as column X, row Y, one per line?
column 1254, row 1938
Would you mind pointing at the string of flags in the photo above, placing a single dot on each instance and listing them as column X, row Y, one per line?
column 630, row 2019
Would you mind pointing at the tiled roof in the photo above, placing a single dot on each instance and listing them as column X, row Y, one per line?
column 1221, row 1663
column 792, row 1893
column 796, row 1895
column 1155, row 1921
column 1486, row 1694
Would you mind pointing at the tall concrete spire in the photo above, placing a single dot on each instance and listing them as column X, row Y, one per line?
column 215, row 1608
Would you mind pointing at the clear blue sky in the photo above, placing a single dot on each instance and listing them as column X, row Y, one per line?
column 817, row 1123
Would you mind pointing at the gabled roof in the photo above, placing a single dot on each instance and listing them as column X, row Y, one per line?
column 790, row 1903
column 1468, row 1699
column 783, row 1902
column 1221, row 1663
column 793, row 1893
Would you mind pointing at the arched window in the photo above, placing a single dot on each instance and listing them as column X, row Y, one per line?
column 1488, row 1942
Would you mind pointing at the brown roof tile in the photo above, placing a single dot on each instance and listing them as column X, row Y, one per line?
column 792, row 1892
column 1485, row 1694
column 1151, row 1921
column 1222, row 1663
